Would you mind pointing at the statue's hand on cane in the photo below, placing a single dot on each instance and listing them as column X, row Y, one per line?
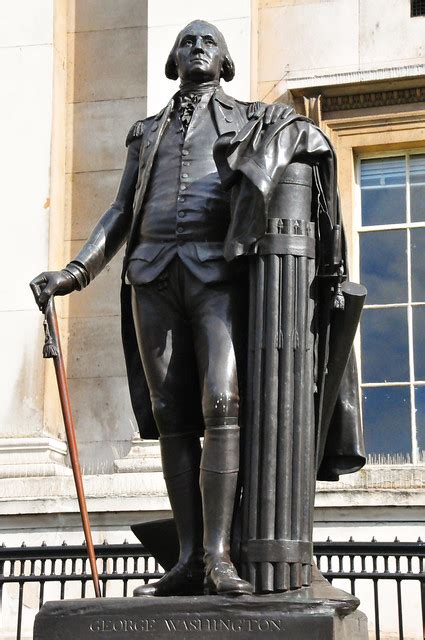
column 52, row 283
column 44, row 287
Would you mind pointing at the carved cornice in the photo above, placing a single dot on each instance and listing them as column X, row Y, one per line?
column 373, row 99
column 293, row 82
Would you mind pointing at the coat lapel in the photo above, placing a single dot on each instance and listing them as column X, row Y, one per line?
column 148, row 149
column 225, row 112
column 151, row 140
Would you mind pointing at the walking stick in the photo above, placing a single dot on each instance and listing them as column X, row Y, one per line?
column 52, row 349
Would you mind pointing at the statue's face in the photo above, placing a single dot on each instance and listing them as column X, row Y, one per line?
column 199, row 56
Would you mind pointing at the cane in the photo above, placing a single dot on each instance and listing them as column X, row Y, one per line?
column 52, row 349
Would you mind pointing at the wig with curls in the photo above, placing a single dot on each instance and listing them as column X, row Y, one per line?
column 228, row 66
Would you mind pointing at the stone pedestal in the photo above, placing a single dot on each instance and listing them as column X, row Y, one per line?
column 33, row 456
column 144, row 455
column 319, row 612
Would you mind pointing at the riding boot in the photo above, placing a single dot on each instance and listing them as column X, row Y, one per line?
column 218, row 480
column 180, row 456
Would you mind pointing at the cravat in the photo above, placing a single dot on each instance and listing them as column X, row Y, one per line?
column 188, row 103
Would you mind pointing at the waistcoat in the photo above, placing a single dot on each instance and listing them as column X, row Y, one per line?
column 185, row 203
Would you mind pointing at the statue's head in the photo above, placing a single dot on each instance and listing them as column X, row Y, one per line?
column 200, row 54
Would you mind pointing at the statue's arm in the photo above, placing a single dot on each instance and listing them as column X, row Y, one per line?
column 110, row 232
column 105, row 240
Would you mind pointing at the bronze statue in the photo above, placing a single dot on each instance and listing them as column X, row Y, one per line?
column 191, row 231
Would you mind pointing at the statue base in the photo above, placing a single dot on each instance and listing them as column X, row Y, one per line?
column 319, row 612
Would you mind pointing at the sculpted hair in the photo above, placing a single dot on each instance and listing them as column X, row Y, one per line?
column 227, row 67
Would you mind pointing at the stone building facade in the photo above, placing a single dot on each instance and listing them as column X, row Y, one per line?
column 76, row 75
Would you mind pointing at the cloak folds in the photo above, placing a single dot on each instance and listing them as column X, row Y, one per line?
column 251, row 164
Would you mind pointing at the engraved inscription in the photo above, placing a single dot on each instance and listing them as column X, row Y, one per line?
column 223, row 624
column 123, row 625
column 185, row 625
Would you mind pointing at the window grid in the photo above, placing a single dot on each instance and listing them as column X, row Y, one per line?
column 417, row 8
column 410, row 304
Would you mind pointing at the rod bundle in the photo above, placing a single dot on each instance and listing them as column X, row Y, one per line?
column 280, row 439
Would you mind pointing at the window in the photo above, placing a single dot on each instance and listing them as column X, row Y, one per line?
column 417, row 8
column 392, row 336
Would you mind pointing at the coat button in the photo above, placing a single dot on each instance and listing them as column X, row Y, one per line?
column 183, row 187
column 180, row 229
column 154, row 127
column 185, row 152
column 185, row 175
column 182, row 214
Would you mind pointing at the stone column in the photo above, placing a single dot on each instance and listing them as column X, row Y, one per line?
column 29, row 444
column 107, row 48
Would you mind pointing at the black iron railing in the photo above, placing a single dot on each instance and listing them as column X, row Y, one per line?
column 378, row 562
column 31, row 575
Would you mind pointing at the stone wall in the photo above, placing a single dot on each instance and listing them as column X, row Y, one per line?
column 27, row 59
column 312, row 39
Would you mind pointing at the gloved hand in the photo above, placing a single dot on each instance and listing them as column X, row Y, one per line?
column 271, row 112
column 49, row 283
column 275, row 111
